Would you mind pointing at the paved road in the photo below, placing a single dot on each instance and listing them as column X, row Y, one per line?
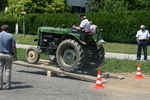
column 31, row 84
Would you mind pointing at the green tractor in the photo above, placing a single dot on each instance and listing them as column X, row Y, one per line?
column 68, row 47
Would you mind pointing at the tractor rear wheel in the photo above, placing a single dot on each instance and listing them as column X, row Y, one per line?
column 70, row 55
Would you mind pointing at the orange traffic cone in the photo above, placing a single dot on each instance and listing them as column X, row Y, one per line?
column 99, row 84
column 138, row 74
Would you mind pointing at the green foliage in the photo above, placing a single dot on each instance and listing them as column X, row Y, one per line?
column 37, row 6
column 118, row 26
column 138, row 4
column 115, row 5
column 118, row 5
column 10, row 22
column 33, row 21
column 27, row 39
column 95, row 5
column 107, row 5
column 115, row 65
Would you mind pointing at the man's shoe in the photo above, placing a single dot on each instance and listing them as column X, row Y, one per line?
column 1, row 88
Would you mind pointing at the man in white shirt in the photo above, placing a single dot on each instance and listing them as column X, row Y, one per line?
column 142, row 36
column 85, row 25
column 93, row 27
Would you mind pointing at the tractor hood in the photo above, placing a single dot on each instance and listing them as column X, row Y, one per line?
column 53, row 30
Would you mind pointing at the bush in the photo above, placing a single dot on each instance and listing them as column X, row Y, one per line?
column 33, row 21
column 118, row 26
column 10, row 22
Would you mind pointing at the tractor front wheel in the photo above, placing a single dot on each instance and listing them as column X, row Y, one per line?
column 32, row 55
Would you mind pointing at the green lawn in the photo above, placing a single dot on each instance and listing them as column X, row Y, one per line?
column 109, row 47
column 113, row 65
column 27, row 39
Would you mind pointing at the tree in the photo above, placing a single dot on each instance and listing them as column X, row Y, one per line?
column 95, row 5
column 37, row 6
column 139, row 4
column 107, row 5
column 115, row 5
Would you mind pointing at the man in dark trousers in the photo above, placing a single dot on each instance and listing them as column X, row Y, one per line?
column 7, row 50
column 142, row 36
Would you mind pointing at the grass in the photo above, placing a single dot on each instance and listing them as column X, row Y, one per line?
column 109, row 47
column 123, row 48
column 27, row 39
column 119, row 66
column 113, row 65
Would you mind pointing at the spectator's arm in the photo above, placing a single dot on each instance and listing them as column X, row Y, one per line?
column 147, row 38
column 14, row 51
column 137, row 36
column 148, row 35
column 137, row 39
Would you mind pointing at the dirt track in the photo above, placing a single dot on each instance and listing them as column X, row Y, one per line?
column 128, row 88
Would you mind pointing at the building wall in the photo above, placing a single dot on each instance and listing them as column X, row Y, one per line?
column 80, row 3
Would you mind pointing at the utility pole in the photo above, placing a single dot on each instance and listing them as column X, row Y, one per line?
column 23, row 20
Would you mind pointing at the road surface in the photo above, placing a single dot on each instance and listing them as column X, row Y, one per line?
column 32, row 84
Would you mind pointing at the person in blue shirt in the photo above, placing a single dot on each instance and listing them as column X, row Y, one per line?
column 142, row 36
column 7, row 50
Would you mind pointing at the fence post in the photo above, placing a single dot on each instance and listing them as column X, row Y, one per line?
column 16, row 30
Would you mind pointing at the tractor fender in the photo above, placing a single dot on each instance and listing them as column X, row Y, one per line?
column 69, row 36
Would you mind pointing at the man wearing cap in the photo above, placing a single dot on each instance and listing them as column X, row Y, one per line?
column 7, row 48
column 142, row 36
column 85, row 25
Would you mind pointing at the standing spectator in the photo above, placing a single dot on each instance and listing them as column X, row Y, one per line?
column 7, row 48
column 93, row 27
column 142, row 36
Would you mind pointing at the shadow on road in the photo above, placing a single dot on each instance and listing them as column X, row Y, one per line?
column 33, row 72
column 90, row 68
column 22, row 87
column 18, row 82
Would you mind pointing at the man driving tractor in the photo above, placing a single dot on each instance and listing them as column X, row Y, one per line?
column 85, row 24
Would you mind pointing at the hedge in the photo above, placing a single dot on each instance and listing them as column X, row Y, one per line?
column 10, row 22
column 118, row 26
column 33, row 21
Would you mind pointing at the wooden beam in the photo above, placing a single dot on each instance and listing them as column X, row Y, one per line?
column 57, row 70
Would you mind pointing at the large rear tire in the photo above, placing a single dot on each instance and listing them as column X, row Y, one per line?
column 70, row 55
column 32, row 55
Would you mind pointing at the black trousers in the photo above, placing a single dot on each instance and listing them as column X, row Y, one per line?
column 142, row 43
